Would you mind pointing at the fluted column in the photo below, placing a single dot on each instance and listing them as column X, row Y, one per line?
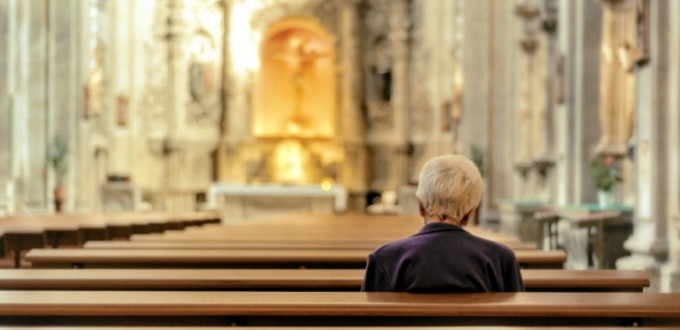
column 649, row 242
column 399, row 24
column 578, row 129
column 672, row 269
column 5, row 107
column 529, row 141
column 351, row 130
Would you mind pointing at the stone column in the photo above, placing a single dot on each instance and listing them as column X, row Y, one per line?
column 649, row 242
column 64, row 87
column 477, row 70
column 399, row 24
column 544, row 80
column 529, row 107
column 503, row 97
column 671, row 272
column 351, row 130
column 32, row 89
column 6, row 19
column 578, row 131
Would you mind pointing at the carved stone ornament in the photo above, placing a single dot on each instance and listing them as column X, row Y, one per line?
column 203, row 61
column 529, row 44
column 527, row 11
column 379, row 61
column 275, row 10
column 523, row 168
column 420, row 116
column 154, row 105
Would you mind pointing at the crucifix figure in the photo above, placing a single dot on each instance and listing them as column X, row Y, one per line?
column 302, row 58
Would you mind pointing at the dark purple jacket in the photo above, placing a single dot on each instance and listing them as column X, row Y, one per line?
column 443, row 258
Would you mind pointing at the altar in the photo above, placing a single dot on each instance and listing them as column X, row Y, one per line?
column 247, row 201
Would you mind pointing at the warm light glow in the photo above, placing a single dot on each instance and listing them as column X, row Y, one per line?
column 326, row 184
column 292, row 161
column 294, row 92
column 243, row 40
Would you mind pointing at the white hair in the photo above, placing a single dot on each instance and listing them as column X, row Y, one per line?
column 449, row 187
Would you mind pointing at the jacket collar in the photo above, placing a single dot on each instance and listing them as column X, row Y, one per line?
column 437, row 227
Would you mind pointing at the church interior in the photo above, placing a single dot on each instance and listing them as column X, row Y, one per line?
column 186, row 136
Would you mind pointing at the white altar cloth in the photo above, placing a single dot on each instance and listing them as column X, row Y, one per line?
column 249, row 200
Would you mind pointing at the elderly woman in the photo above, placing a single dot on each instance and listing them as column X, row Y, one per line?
column 442, row 256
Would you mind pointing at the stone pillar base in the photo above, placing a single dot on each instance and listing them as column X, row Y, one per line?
column 671, row 277
column 646, row 263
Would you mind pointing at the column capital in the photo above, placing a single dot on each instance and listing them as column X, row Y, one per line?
column 527, row 11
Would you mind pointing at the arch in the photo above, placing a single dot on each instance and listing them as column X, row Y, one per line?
column 294, row 92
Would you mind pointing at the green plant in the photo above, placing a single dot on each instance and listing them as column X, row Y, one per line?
column 56, row 157
column 606, row 172
column 478, row 158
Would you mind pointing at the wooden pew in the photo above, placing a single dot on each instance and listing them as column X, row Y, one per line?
column 375, row 237
column 336, row 308
column 16, row 240
column 275, row 258
column 21, row 233
column 285, row 280
column 299, row 230
column 251, row 245
column 337, row 328
column 277, row 231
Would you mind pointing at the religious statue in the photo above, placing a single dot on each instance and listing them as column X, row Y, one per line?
column 379, row 87
column 534, row 119
column 96, row 82
column 524, row 131
column 619, row 56
column 202, row 77
column 302, row 58
column 456, row 112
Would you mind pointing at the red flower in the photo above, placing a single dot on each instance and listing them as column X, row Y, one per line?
column 608, row 161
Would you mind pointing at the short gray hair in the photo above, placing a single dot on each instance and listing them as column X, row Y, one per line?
column 450, row 187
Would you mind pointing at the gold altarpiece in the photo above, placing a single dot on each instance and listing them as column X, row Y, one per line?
column 294, row 101
column 293, row 115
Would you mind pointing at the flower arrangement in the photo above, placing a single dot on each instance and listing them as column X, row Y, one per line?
column 606, row 173
column 478, row 158
column 56, row 157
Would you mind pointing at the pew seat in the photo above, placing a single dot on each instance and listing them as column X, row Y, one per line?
column 339, row 328
column 275, row 258
column 25, row 232
column 285, row 279
column 251, row 245
column 162, row 308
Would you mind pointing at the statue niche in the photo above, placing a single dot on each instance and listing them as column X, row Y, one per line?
column 295, row 90
column 619, row 56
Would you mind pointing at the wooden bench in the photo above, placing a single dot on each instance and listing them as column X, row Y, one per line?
column 285, row 280
column 275, row 258
column 252, row 245
column 372, row 237
column 21, row 233
column 162, row 308
column 341, row 328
